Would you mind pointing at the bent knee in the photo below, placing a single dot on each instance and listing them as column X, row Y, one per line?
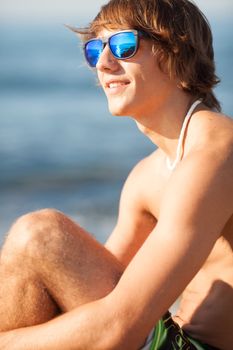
column 32, row 232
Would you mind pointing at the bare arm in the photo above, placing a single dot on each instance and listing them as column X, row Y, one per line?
column 135, row 222
column 191, row 219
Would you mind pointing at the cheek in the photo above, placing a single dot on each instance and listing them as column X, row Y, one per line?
column 144, row 83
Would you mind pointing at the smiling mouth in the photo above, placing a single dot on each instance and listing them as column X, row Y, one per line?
column 116, row 84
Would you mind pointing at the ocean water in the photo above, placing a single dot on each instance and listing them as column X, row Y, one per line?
column 59, row 146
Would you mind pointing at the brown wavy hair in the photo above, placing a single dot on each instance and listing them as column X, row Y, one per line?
column 181, row 36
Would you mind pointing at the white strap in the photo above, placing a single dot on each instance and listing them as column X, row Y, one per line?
column 170, row 165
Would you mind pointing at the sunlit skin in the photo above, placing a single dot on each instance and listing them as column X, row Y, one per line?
column 174, row 234
column 128, row 84
column 139, row 90
column 143, row 99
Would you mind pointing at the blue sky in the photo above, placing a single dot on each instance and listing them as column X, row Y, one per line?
column 70, row 11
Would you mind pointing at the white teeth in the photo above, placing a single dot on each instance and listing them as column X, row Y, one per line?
column 115, row 84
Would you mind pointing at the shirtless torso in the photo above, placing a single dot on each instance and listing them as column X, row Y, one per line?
column 174, row 234
column 205, row 307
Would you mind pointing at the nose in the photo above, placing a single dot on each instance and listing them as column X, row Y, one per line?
column 107, row 61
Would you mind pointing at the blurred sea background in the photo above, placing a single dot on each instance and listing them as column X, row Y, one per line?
column 59, row 146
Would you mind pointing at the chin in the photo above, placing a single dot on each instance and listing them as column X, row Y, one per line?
column 117, row 114
column 118, row 110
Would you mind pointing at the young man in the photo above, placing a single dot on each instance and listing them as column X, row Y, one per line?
column 60, row 289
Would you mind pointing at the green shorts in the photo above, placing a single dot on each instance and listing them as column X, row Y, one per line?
column 167, row 335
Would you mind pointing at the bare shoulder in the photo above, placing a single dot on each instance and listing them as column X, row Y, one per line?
column 145, row 164
column 143, row 169
column 142, row 189
column 210, row 147
column 200, row 190
column 212, row 130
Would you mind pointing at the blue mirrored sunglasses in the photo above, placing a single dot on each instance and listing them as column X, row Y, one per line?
column 123, row 45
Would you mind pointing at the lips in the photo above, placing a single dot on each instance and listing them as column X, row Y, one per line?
column 115, row 87
column 113, row 84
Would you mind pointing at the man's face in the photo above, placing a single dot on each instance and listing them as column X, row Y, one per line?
column 135, row 86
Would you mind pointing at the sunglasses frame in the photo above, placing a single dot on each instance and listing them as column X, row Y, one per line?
column 106, row 40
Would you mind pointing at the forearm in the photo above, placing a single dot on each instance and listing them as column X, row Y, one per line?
column 91, row 326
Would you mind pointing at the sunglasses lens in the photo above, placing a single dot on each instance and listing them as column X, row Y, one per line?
column 93, row 50
column 123, row 45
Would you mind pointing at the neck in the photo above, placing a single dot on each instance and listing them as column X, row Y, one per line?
column 163, row 126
